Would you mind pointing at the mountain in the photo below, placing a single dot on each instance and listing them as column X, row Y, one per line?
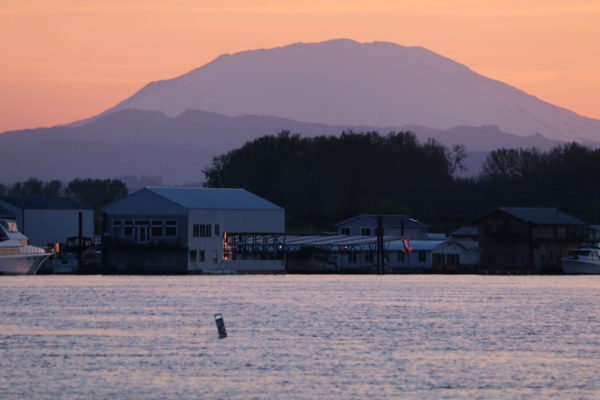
column 150, row 143
column 345, row 82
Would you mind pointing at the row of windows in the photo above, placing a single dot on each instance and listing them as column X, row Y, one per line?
column 370, row 257
column 450, row 259
column 363, row 231
column 204, row 230
column 147, row 228
column 199, row 256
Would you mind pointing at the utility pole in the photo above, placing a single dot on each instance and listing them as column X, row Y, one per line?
column 380, row 254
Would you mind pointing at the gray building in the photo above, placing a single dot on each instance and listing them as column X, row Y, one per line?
column 393, row 225
column 48, row 220
column 203, row 230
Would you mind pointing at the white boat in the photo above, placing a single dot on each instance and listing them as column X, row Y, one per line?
column 584, row 260
column 16, row 256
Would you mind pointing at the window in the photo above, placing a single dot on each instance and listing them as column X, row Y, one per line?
column 369, row 257
column 117, row 228
column 193, row 255
column 345, row 231
column 422, row 256
column 201, row 255
column 171, row 228
column 401, row 257
column 365, row 231
column 128, row 229
column 214, row 256
column 352, row 257
column 202, row 230
column 216, row 229
column 157, row 228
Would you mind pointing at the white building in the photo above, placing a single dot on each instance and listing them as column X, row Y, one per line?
column 393, row 225
column 359, row 253
column 48, row 220
column 202, row 230
column 439, row 255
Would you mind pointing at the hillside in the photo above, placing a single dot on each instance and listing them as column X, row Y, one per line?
column 135, row 142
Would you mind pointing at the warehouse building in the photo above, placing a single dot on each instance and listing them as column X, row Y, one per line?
column 49, row 220
column 201, row 230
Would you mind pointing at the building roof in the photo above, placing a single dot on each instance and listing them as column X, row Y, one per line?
column 214, row 198
column 43, row 203
column 6, row 214
column 466, row 231
column 542, row 216
column 387, row 220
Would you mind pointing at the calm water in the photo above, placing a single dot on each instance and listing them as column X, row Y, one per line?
column 300, row 337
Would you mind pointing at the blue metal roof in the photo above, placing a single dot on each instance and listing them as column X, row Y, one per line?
column 466, row 231
column 43, row 203
column 542, row 216
column 214, row 198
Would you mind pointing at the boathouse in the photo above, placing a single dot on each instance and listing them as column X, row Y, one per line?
column 528, row 239
column 201, row 230
column 49, row 220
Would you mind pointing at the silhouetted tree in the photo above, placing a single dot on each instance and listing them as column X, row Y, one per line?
column 323, row 179
column 31, row 187
column 52, row 188
column 96, row 192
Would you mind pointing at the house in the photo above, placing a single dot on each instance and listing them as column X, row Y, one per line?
column 445, row 255
column 49, row 220
column 393, row 225
column 202, row 230
column 527, row 239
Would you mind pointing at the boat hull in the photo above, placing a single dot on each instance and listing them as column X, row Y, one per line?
column 21, row 264
column 580, row 267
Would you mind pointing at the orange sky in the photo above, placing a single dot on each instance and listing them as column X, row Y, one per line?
column 64, row 60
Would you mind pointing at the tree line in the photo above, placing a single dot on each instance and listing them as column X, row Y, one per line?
column 91, row 192
column 323, row 180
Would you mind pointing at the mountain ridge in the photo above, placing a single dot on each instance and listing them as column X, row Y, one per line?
column 150, row 143
column 345, row 82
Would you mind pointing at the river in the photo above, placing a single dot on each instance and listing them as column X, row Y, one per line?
column 300, row 337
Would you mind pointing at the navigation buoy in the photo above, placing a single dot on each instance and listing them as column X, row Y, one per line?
column 220, row 326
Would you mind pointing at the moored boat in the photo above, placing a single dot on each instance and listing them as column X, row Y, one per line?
column 584, row 260
column 17, row 257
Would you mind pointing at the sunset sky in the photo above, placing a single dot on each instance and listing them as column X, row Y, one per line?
column 64, row 60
